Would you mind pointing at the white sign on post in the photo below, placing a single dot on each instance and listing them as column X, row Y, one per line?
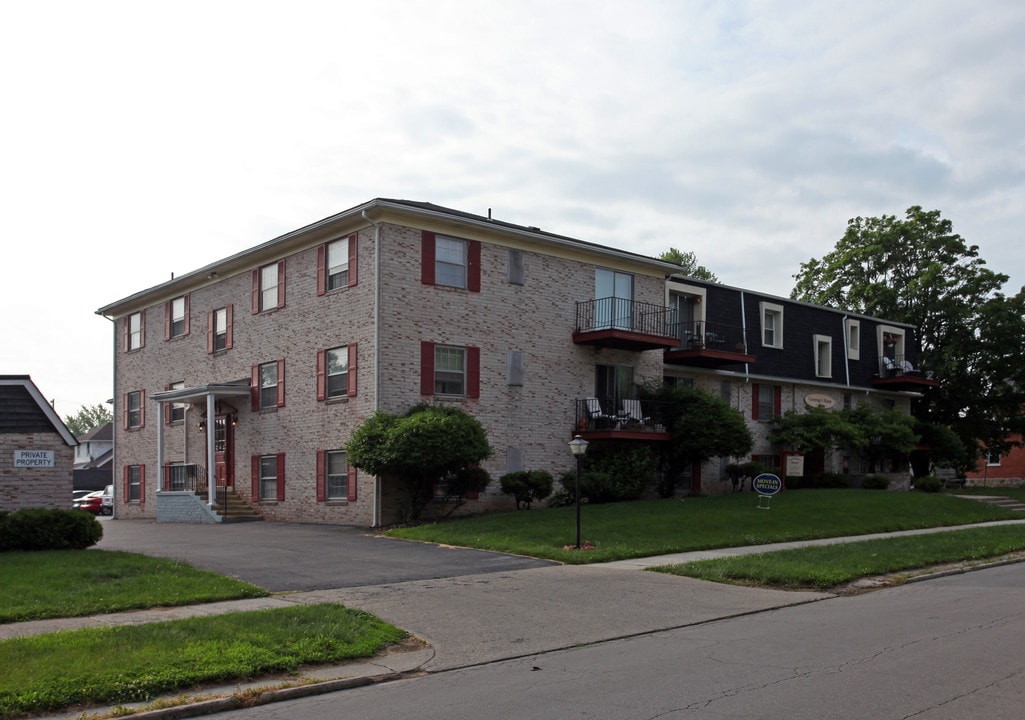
column 795, row 465
column 34, row 458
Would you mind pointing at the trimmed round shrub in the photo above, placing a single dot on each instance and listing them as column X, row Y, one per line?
column 49, row 529
column 527, row 486
column 929, row 484
column 875, row 482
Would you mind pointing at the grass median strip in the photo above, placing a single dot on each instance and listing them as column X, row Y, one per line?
column 115, row 665
column 657, row 527
column 829, row 566
column 73, row 583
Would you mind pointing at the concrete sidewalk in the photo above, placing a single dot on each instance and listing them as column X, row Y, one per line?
column 481, row 618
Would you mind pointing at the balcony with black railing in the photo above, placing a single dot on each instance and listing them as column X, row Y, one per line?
column 899, row 373
column 643, row 420
column 708, row 344
column 624, row 324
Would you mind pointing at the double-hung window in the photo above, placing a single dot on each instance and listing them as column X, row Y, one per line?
column 269, row 477
column 268, row 385
column 338, row 264
column 134, row 483
column 449, row 370
column 336, row 480
column 135, row 411
column 336, row 372
column 219, row 329
column 766, row 401
column 823, row 356
column 175, row 412
column 269, row 287
column 176, row 318
column 134, row 328
column 450, row 262
column 772, row 325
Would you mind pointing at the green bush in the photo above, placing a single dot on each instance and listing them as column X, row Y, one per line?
column 527, row 486
column 929, row 484
column 48, row 529
column 875, row 482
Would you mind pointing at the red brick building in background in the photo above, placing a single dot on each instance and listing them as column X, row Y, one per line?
column 1000, row 470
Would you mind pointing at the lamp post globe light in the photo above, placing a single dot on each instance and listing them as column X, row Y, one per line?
column 578, row 446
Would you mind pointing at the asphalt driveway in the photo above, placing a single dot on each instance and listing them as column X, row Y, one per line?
column 280, row 557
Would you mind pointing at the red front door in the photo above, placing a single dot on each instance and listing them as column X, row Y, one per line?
column 224, row 450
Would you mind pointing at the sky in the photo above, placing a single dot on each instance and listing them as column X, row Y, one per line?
column 140, row 139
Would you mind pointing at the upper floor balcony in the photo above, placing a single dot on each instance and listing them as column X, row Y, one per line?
column 898, row 373
column 643, row 420
column 708, row 344
column 624, row 324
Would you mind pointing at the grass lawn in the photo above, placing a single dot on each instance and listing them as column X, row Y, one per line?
column 115, row 665
column 657, row 527
column 832, row 565
column 72, row 583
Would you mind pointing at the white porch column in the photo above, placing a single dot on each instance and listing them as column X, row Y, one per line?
column 211, row 471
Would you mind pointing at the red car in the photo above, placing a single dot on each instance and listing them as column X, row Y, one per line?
column 93, row 502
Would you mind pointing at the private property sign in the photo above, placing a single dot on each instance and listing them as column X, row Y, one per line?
column 34, row 458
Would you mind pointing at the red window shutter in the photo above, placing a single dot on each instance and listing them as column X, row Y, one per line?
column 427, row 266
column 256, row 291
column 754, row 401
column 124, row 411
column 142, row 408
column 426, row 368
column 473, row 372
column 352, row 370
column 229, row 317
column 281, row 283
column 321, row 374
column 126, row 322
column 124, row 483
column 142, row 484
column 167, row 319
column 165, row 476
column 281, row 383
column 210, row 331
column 353, row 260
column 281, row 477
column 777, row 400
column 142, row 329
column 321, row 475
column 254, row 389
column 255, row 477
column 473, row 266
column 350, row 484
column 322, row 270
column 187, row 314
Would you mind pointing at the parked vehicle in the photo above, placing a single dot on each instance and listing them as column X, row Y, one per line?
column 93, row 502
column 78, row 494
column 107, row 507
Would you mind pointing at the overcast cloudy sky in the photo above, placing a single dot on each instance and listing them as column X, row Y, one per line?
column 143, row 138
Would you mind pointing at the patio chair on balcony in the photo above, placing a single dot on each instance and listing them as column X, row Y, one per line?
column 596, row 415
column 633, row 411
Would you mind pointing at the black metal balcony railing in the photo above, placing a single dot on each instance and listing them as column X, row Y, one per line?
column 711, row 335
column 188, row 477
column 612, row 313
column 901, row 366
column 627, row 415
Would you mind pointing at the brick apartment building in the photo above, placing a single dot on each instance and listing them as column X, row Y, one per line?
column 253, row 372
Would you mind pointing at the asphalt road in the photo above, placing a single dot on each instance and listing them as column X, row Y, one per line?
column 280, row 557
column 944, row 649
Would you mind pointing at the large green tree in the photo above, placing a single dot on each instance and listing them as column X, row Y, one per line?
column 917, row 270
column 428, row 446
column 688, row 263
column 87, row 418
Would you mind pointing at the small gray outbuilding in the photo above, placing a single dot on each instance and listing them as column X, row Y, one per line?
column 37, row 451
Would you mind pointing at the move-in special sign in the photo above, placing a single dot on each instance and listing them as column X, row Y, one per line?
column 33, row 458
column 767, row 484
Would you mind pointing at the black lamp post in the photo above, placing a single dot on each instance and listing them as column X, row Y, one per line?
column 579, row 448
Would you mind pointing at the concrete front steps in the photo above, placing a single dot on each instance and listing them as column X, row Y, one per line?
column 233, row 508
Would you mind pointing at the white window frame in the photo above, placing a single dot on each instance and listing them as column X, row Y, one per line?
column 268, row 478
column 336, row 484
column 823, row 355
column 337, row 264
column 177, row 411
column 134, row 414
column 177, row 328
column 451, row 261
column 446, row 375
column 134, row 483
column 134, row 331
column 220, row 329
column 269, row 287
column 853, row 339
column 268, row 389
column 775, row 311
column 336, row 365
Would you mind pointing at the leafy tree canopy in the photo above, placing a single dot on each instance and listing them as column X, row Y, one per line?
column 688, row 263
column 427, row 445
column 88, row 418
column 916, row 270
